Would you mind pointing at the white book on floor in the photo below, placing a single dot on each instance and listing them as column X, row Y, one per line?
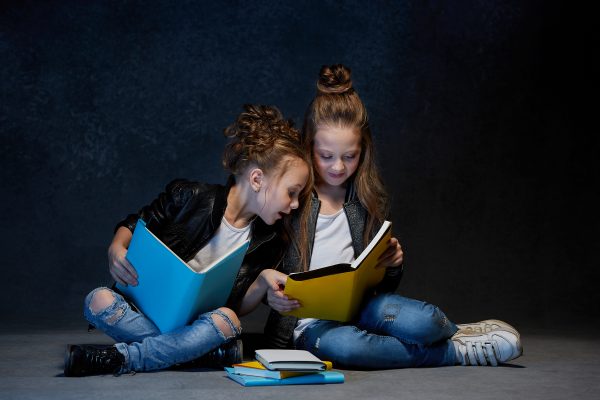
column 289, row 360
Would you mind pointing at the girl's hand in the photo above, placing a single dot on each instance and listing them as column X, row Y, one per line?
column 392, row 256
column 120, row 269
column 275, row 283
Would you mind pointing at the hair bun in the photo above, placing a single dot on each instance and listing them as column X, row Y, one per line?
column 334, row 79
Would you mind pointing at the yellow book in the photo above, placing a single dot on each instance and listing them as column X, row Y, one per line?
column 336, row 292
column 255, row 368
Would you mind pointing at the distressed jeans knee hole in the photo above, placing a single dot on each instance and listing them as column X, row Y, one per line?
column 113, row 319
column 390, row 312
column 111, row 315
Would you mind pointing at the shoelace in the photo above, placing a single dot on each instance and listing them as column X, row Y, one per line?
column 479, row 353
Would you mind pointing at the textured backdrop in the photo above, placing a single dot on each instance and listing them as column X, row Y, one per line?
column 475, row 107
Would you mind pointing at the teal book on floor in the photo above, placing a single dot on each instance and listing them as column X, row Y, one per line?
column 318, row 378
column 171, row 293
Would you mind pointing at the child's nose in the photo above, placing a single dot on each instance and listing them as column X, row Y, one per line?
column 339, row 165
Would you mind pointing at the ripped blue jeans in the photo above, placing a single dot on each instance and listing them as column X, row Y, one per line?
column 142, row 344
column 391, row 332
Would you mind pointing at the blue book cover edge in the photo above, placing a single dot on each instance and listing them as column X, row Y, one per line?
column 324, row 377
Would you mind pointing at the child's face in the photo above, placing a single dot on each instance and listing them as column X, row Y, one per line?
column 281, row 193
column 336, row 153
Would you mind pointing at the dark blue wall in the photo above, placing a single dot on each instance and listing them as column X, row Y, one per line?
column 475, row 107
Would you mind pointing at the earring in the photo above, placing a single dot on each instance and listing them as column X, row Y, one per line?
column 257, row 189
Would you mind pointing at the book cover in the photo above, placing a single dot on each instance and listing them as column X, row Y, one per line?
column 336, row 292
column 169, row 292
column 290, row 360
column 255, row 368
column 310, row 379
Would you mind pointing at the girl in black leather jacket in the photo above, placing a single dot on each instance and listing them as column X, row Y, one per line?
column 200, row 222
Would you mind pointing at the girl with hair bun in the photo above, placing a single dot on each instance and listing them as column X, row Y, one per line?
column 348, row 205
column 200, row 222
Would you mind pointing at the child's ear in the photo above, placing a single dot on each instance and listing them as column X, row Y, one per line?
column 256, row 179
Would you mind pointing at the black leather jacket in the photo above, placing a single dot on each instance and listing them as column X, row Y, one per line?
column 186, row 216
column 279, row 329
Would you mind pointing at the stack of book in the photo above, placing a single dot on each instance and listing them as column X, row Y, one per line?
column 284, row 367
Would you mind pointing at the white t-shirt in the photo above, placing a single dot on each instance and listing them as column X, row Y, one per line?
column 332, row 245
column 226, row 237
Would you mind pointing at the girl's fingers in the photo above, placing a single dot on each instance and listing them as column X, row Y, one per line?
column 286, row 308
column 277, row 295
column 283, row 305
column 130, row 268
column 124, row 274
column 281, row 278
column 274, row 280
column 291, row 303
column 278, row 300
column 391, row 258
column 117, row 279
column 389, row 252
column 385, row 259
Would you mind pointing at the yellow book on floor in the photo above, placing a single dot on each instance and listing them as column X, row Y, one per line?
column 336, row 292
column 255, row 368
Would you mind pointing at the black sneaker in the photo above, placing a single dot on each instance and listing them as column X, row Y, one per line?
column 224, row 356
column 89, row 359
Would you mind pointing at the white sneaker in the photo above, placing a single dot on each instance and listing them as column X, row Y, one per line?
column 486, row 326
column 495, row 347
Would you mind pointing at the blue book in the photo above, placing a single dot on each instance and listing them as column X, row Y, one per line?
column 310, row 379
column 171, row 293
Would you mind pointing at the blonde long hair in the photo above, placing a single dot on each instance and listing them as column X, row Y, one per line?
column 337, row 104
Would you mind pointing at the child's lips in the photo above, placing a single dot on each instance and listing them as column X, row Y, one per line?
column 333, row 175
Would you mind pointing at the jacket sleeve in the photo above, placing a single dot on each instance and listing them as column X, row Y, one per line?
column 391, row 280
column 162, row 209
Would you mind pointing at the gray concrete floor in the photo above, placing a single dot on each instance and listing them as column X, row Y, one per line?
column 555, row 365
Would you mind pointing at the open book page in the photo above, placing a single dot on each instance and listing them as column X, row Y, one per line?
column 379, row 238
column 225, row 240
column 165, row 247
column 196, row 267
column 205, row 267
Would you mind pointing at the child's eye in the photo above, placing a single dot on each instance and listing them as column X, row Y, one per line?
column 326, row 156
column 350, row 157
